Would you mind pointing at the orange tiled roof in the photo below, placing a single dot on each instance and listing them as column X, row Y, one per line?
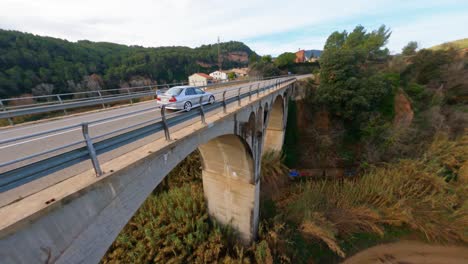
column 204, row 75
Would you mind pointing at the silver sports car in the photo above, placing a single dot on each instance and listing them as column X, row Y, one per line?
column 184, row 97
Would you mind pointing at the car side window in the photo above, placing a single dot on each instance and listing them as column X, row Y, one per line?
column 189, row 91
column 199, row 91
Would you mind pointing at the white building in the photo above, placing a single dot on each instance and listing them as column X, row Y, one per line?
column 200, row 79
column 219, row 75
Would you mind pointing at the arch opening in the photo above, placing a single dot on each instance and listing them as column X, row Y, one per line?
column 274, row 132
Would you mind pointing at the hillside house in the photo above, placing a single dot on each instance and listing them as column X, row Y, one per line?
column 200, row 79
column 300, row 56
column 305, row 56
column 219, row 75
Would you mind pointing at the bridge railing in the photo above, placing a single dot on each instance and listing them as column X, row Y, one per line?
column 40, row 164
column 12, row 107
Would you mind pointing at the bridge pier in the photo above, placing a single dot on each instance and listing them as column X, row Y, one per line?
column 229, row 184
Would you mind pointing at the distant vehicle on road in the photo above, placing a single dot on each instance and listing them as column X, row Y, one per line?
column 184, row 97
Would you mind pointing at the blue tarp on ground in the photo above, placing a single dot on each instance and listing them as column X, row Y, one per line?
column 294, row 173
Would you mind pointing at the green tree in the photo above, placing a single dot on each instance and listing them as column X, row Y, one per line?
column 410, row 48
column 285, row 59
column 266, row 59
column 253, row 59
column 27, row 61
column 427, row 65
column 351, row 85
column 232, row 76
column 264, row 67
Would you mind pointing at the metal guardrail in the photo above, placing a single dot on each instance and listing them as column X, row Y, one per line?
column 92, row 147
column 94, row 94
column 71, row 105
column 60, row 104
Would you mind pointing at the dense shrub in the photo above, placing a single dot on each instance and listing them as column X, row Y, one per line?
column 420, row 194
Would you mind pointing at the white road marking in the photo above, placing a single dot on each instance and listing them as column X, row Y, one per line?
column 68, row 131
column 68, row 119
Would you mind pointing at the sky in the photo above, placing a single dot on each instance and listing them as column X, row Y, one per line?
column 268, row 27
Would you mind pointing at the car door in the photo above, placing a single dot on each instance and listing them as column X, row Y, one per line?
column 199, row 93
column 191, row 96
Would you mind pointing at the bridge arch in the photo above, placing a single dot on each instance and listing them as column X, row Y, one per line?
column 228, row 171
column 274, row 132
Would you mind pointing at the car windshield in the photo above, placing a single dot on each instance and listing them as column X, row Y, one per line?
column 174, row 91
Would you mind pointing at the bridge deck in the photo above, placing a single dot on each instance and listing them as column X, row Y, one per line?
column 32, row 206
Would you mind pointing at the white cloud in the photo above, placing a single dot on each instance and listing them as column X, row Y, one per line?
column 191, row 22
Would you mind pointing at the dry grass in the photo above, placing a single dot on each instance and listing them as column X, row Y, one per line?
column 274, row 174
column 187, row 171
column 411, row 193
column 457, row 44
column 319, row 228
column 173, row 225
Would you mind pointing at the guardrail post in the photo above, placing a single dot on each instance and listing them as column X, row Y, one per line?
column 155, row 95
column 238, row 96
column 61, row 102
column 91, row 150
column 202, row 111
column 10, row 121
column 102, row 100
column 258, row 90
column 131, row 100
column 250, row 93
column 224, row 102
column 164, row 121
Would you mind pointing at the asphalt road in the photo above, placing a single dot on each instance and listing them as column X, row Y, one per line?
column 23, row 148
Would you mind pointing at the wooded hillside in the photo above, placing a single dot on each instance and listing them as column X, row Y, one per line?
column 42, row 65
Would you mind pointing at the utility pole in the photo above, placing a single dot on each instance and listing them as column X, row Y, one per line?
column 219, row 55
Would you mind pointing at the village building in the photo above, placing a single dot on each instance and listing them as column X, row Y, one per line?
column 200, row 79
column 219, row 75
column 305, row 56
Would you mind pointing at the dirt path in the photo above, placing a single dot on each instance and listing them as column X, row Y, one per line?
column 411, row 252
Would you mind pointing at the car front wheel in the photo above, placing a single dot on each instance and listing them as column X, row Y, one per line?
column 187, row 106
column 211, row 100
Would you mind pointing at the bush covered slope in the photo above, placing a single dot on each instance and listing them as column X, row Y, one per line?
column 456, row 44
column 27, row 60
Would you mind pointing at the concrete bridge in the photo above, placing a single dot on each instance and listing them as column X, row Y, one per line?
column 77, row 219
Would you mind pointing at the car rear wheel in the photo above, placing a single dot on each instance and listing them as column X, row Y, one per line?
column 211, row 100
column 187, row 106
